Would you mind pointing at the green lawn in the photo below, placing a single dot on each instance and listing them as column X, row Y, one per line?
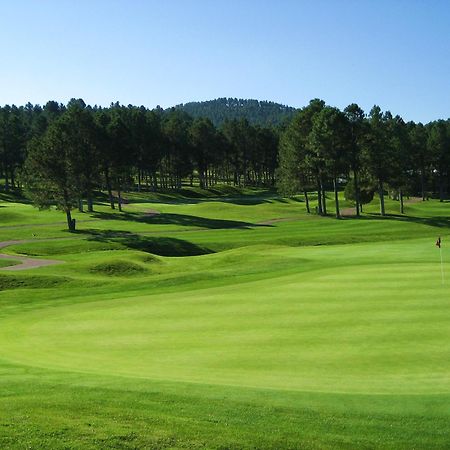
column 226, row 322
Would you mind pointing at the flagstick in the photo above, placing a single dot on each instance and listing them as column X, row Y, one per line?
column 442, row 267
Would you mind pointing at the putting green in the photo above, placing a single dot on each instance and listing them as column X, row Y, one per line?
column 356, row 326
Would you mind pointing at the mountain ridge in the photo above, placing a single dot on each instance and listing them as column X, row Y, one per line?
column 257, row 112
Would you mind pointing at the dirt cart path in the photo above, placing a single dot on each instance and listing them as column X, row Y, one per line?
column 24, row 261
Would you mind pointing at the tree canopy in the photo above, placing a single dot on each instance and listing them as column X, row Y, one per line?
column 63, row 154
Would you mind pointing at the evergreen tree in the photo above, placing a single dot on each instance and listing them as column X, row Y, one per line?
column 298, row 167
column 420, row 160
column 49, row 171
column 377, row 152
column 356, row 118
column 439, row 150
column 330, row 141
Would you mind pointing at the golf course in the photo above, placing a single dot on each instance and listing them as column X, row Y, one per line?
column 225, row 318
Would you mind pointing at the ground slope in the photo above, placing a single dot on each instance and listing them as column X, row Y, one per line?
column 219, row 324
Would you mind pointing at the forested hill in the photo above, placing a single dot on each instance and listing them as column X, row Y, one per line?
column 256, row 112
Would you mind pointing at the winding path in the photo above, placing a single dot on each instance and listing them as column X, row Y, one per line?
column 24, row 261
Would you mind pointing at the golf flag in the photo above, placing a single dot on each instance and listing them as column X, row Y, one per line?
column 438, row 242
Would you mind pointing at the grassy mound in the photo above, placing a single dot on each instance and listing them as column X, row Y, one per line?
column 118, row 268
column 31, row 282
column 63, row 247
column 150, row 259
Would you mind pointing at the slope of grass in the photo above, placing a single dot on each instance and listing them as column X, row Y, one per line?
column 243, row 331
column 8, row 262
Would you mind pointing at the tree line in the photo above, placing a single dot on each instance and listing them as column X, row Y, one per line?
column 323, row 147
column 63, row 154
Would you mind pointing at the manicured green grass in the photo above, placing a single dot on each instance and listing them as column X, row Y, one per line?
column 217, row 325
column 7, row 262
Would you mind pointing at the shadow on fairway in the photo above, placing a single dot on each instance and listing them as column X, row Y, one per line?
column 438, row 222
column 162, row 246
column 228, row 194
column 13, row 196
column 174, row 219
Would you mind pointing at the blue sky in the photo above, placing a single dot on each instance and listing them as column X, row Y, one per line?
column 392, row 53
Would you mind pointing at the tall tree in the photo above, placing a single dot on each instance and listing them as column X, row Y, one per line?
column 203, row 140
column 175, row 162
column 298, row 165
column 49, row 174
column 421, row 162
column 330, row 140
column 401, row 172
column 13, row 134
column 356, row 117
column 120, row 153
column 81, row 132
column 439, row 149
column 377, row 153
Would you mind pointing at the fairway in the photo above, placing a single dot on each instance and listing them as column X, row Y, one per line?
column 366, row 328
column 216, row 322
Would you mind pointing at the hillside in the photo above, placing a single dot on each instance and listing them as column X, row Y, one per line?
column 255, row 111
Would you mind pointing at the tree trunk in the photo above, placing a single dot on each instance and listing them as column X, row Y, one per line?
column 356, row 187
column 336, row 198
column 139, row 180
column 108, row 187
column 422, row 182
column 381, row 195
column 305, row 192
column 441, row 187
column 6, row 179
column 319, row 198
column 80, row 205
column 119, row 199
column 90, row 202
column 70, row 221
column 324, row 201
column 402, row 211
column 201, row 179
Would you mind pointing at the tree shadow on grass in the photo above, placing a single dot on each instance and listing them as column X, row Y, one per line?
column 245, row 201
column 297, row 199
column 163, row 246
column 438, row 222
column 13, row 196
column 182, row 196
column 174, row 219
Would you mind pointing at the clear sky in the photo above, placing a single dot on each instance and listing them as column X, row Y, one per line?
column 393, row 53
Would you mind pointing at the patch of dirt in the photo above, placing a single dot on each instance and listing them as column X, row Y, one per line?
column 413, row 200
column 151, row 213
column 348, row 212
column 24, row 261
